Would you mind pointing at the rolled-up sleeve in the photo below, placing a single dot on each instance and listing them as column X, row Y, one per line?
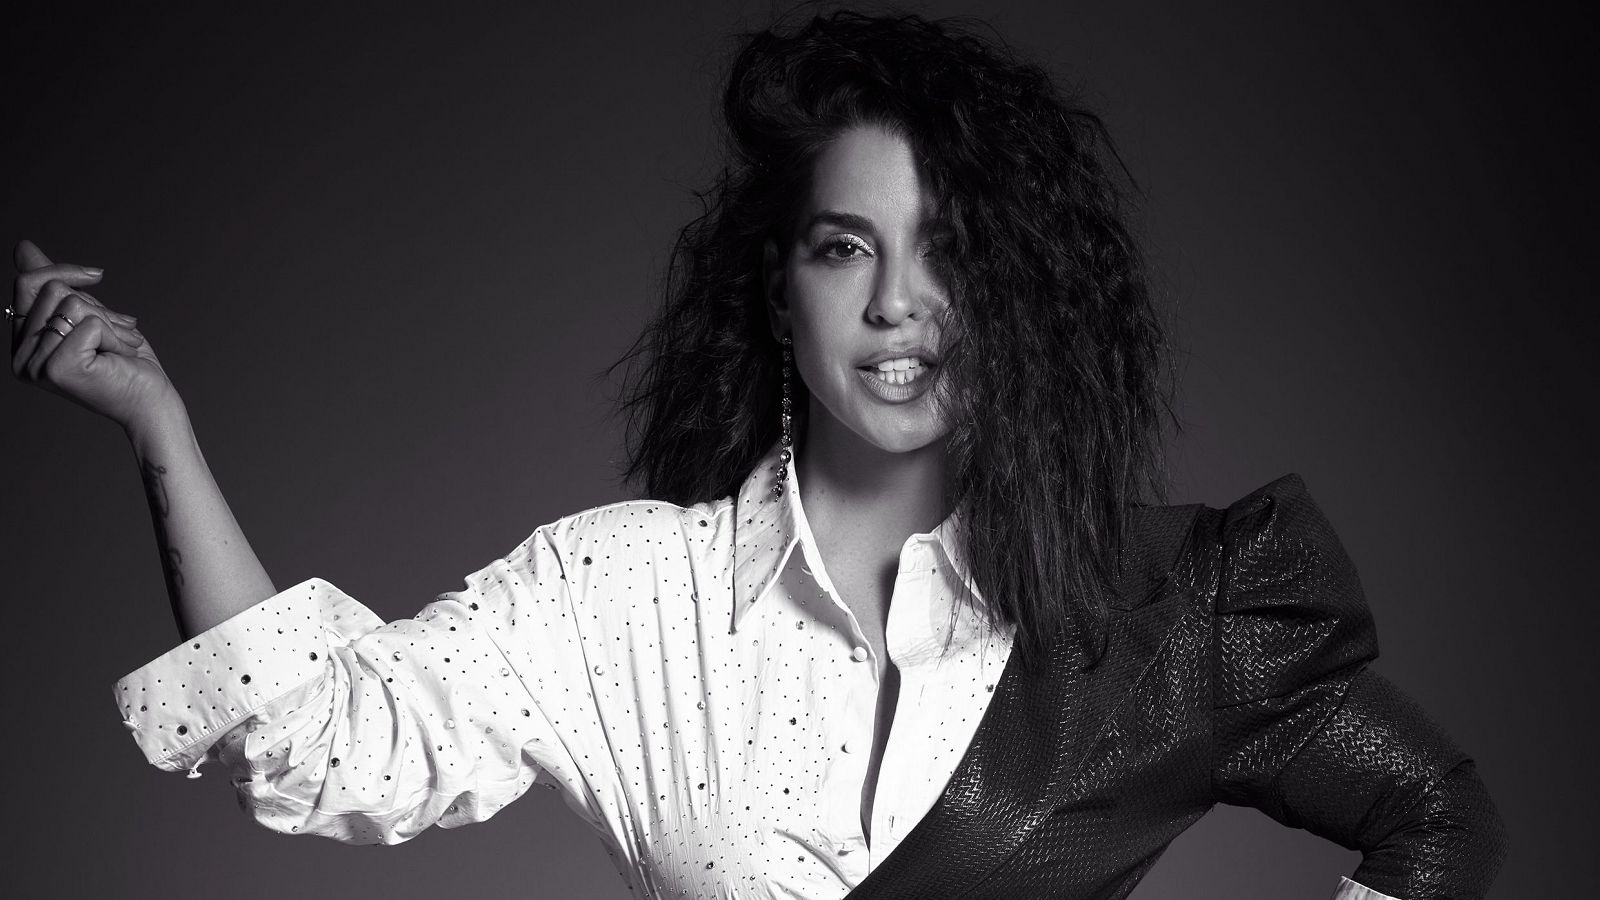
column 1307, row 732
column 331, row 722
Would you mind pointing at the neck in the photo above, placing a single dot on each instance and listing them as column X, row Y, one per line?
column 856, row 490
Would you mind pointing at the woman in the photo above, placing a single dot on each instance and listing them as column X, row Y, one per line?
column 910, row 340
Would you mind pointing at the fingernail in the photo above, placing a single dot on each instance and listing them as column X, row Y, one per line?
column 93, row 271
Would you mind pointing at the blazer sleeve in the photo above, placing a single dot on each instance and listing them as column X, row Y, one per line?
column 1307, row 732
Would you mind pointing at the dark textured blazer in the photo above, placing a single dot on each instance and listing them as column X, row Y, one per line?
column 1238, row 671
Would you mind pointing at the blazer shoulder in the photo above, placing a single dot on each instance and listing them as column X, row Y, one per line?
column 1281, row 523
column 1287, row 489
column 1297, row 511
column 1288, row 606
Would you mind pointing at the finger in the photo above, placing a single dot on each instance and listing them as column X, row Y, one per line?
column 28, row 256
column 100, row 336
column 120, row 318
column 42, row 347
column 57, row 299
column 29, row 283
column 26, row 339
column 76, row 307
column 110, row 340
column 74, row 354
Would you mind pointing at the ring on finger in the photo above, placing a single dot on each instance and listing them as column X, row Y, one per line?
column 49, row 327
column 13, row 314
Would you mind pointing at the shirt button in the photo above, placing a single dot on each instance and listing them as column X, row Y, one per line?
column 130, row 724
column 859, row 654
column 847, row 747
column 844, row 849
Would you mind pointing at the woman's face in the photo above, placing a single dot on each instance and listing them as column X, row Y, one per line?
column 858, row 284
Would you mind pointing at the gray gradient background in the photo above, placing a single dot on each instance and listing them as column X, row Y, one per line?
column 384, row 260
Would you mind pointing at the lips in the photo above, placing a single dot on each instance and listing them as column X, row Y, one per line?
column 897, row 391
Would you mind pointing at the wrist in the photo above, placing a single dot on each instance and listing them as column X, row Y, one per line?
column 159, row 426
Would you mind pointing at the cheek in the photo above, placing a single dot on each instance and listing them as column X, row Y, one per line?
column 813, row 363
column 826, row 305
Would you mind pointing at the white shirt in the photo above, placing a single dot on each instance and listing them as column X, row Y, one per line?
column 695, row 690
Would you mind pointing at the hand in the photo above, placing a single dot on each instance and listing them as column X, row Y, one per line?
column 102, row 363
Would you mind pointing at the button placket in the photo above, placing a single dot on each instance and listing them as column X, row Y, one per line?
column 839, row 828
column 889, row 791
column 915, row 634
column 908, row 639
column 853, row 856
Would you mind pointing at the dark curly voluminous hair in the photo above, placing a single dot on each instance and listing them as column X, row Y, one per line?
column 1058, row 361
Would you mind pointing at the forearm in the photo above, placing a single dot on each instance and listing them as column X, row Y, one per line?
column 212, row 574
column 1381, row 777
column 1451, row 844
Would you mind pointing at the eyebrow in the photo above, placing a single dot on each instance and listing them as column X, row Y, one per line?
column 856, row 222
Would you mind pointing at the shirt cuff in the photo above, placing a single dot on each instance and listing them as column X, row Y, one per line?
column 1353, row 890
column 182, row 703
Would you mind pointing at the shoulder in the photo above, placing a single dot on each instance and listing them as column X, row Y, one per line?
column 1287, row 492
column 613, row 534
column 645, row 516
column 642, row 514
column 1288, row 603
column 1277, row 533
column 1278, row 518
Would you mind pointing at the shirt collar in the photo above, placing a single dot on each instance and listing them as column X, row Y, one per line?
column 767, row 529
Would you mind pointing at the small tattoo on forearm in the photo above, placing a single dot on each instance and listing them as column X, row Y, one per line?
column 174, row 567
column 155, row 488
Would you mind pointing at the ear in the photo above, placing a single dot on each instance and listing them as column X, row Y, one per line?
column 772, row 280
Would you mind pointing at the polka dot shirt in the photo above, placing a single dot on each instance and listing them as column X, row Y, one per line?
column 692, row 686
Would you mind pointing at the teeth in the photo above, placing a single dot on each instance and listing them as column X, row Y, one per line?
column 901, row 364
column 900, row 376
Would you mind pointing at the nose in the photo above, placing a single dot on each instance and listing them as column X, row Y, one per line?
column 904, row 289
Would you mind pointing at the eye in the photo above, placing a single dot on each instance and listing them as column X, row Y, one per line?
column 843, row 247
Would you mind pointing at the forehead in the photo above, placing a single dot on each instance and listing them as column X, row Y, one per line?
column 871, row 171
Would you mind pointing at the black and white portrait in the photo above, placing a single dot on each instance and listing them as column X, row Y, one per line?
column 804, row 451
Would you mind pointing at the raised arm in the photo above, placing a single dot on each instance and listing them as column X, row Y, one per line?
column 67, row 342
column 330, row 721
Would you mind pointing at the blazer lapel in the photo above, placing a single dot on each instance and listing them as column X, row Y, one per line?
column 1037, row 728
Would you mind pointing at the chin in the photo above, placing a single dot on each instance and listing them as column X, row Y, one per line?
column 913, row 437
column 891, row 429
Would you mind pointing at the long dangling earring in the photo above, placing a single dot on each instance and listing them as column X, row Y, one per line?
column 785, row 455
